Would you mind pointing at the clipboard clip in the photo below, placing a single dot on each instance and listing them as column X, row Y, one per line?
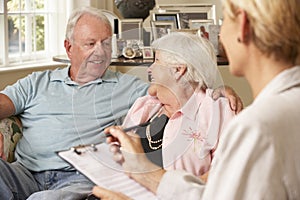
column 81, row 148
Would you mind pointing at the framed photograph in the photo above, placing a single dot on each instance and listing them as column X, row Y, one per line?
column 167, row 16
column 161, row 28
column 214, row 32
column 131, row 29
column 189, row 11
column 202, row 25
column 191, row 31
column 186, row 17
column 206, row 10
column 147, row 52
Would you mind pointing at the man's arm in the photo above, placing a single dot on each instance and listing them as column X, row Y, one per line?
column 7, row 107
column 235, row 101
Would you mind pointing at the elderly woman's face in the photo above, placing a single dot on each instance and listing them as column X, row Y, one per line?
column 160, row 71
column 162, row 79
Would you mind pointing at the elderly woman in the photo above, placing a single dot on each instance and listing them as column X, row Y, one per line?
column 185, row 122
column 256, row 157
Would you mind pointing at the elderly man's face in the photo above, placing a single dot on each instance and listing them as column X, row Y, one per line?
column 90, row 50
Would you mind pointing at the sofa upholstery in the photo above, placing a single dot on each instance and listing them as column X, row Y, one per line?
column 11, row 130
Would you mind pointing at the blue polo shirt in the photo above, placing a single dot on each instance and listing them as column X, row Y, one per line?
column 57, row 113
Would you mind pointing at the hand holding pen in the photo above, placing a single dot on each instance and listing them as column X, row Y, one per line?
column 120, row 139
column 132, row 128
column 128, row 150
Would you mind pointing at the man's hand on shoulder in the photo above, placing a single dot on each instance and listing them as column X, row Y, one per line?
column 235, row 101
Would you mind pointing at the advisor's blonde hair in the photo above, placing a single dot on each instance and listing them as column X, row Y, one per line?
column 275, row 25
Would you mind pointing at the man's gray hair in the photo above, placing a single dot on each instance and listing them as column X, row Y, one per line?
column 77, row 13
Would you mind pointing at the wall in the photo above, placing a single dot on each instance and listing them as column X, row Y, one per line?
column 239, row 84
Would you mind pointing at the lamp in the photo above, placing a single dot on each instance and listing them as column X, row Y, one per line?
column 135, row 8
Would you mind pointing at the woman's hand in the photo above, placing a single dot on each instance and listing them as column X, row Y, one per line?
column 204, row 177
column 128, row 151
column 105, row 194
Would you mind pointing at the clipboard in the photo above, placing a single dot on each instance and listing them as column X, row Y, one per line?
column 97, row 164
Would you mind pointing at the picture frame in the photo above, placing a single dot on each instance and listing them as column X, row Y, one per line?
column 188, row 11
column 131, row 29
column 113, row 19
column 214, row 32
column 191, row 31
column 202, row 25
column 185, row 17
column 161, row 28
column 206, row 9
column 197, row 23
column 147, row 52
column 167, row 16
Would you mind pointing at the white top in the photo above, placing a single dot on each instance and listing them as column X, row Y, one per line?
column 258, row 154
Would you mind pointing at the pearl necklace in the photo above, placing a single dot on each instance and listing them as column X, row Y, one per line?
column 150, row 139
column 148, row 135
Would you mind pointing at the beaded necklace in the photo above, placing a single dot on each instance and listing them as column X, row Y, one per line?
column 148, row 135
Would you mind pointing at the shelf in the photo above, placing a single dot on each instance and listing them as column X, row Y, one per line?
column 130, row 62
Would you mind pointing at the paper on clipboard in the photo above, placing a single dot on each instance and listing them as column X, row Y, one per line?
column 97, row 164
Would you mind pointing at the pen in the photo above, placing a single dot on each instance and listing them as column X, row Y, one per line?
column 132, row 127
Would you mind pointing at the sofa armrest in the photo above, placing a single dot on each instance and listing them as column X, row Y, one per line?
column 11, row 130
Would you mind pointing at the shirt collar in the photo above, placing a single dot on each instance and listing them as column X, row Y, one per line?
column 190, row 109
column 283, row 81
column 63, row 76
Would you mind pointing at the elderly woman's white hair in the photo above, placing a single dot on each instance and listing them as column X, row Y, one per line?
column 195, row 52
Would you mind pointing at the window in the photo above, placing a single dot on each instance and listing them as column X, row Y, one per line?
column 27, row 27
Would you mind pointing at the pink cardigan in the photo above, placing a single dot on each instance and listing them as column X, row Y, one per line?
column 191, row 134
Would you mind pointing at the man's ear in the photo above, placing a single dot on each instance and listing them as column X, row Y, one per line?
column 68, row 46
column 180, row 70
column 244, row 27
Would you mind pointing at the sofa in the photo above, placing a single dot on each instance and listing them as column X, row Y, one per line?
column 11, row 131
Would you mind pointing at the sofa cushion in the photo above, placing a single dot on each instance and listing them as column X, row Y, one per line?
column 11, row 129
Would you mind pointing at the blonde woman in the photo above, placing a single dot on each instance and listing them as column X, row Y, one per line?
column 257, row 154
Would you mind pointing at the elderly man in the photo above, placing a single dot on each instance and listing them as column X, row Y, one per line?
column 63, row 108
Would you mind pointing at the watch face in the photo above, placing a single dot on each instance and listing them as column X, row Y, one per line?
column 129, row 52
